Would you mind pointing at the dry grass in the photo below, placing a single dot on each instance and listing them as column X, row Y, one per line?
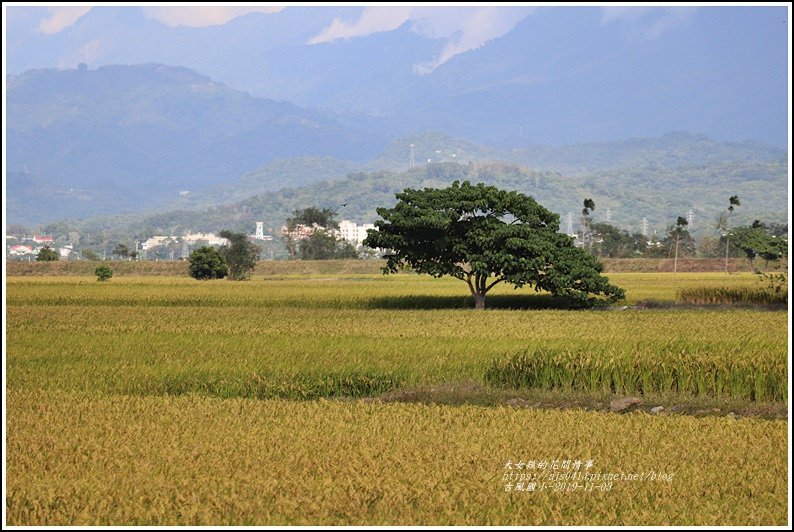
column 348, row 267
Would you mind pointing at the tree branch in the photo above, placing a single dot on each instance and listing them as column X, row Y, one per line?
column 468, row 281
column 494, row 284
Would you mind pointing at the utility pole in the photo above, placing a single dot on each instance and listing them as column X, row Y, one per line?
column 645, row 227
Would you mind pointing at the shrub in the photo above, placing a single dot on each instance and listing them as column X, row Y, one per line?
column 48, row 254
column 207, row 263
column 103, row 273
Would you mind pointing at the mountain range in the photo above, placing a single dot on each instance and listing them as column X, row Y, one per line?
column 119, row 111
column 536, row 75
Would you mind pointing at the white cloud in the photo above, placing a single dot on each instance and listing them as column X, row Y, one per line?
column 61, row 17
column 647, row 22
column 372, row 20
column 200, row 16
column 464, row 28
column 481, row 26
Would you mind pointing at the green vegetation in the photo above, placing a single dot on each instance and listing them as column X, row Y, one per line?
column 625, row 192
column 321, row 243
column 103, row 273
column 90, row 254
column 677, row 368
column 474, row 232
column 207, row 263
column 733, row 296
column 756, row 241
column 47, row 254
column 240, row 255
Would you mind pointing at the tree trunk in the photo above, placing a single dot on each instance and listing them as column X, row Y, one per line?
column 675, row 261
column 727, row 249
column 479, row 301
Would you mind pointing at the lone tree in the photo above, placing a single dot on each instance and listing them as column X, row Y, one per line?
column 240, row 254
column 47, row 254
column 484, row 236
column 207, row 262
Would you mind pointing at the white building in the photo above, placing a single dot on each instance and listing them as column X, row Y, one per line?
column 20, row 250
column 211, row 238
column 354, row 233
column 260, row 232
column 190, row 238
column 65, row 251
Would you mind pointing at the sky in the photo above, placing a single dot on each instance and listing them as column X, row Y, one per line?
column 462, row 28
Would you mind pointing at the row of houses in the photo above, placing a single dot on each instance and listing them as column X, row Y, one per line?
column 21, row 246
column 29, row 249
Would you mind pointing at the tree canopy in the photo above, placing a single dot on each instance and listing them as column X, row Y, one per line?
column 47, row 254
column 756, row 241
column 240, row 254
column 484, row 236
column 207, row 262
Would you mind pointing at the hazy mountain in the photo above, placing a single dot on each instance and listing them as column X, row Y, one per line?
column 560, row 79
column 669, row 151
column 297, row 171
column 562, row 75
column 148, row 131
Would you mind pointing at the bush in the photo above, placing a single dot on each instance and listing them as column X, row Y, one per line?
column 48, row 254
column 103, row 273
column 207, row 263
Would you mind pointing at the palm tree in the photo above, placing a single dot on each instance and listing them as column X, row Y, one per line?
column 733, row 201
column 589, row 206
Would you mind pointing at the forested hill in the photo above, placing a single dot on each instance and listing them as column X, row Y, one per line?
column 660, row 195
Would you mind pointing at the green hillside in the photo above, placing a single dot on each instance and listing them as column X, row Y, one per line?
column 657, row 194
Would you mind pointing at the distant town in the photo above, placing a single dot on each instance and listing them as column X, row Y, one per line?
column 22, row 247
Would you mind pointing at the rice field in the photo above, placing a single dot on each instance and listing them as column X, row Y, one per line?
column 164, row 400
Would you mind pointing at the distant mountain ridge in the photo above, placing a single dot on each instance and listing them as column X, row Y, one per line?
column 83, row 143
column 153, row 130
column 562, row 75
